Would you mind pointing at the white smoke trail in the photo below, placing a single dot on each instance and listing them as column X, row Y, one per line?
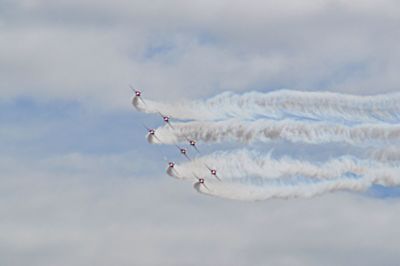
column 250, row 176
column 266, row 130
column 324, row 106
column 388, row 154
column 254, row 189
column 244, row 163
column 153, row 139
column 308, row 117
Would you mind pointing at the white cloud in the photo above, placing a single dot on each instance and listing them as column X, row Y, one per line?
column 77, row 209
column 90, row 51
column 80, row 218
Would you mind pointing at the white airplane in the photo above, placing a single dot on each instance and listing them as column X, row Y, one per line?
column 166, row 119
column 201, row 181
column 151, row 132
column 213, row 172
column 183, row 151
column 193, row 144
column 138, row 96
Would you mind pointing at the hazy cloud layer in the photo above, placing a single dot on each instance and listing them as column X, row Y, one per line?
column 103, row 217
column 90, row 51
column 78, row 186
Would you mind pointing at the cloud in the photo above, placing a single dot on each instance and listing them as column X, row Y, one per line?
column 84, row 191
column 90, row 51
column 85, row 218
column 73, row 207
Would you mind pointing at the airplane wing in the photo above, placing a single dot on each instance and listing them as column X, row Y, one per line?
column 145, row 127
column 209, row 168
column 134, row 91
column 196, row 148
column 216, row 176
column 187, row 157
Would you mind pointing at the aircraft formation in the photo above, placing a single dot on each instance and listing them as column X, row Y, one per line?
column 309, row 118
column 201, row 181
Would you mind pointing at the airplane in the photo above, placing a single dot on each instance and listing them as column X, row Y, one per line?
column 171, row 169
column 138, row 93
column 183, row 152
column 201, row 181
column 166, row 119
column 213, row 172
column 193, row 144
column 151, row 132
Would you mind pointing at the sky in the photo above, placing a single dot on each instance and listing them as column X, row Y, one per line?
column 79, row 183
